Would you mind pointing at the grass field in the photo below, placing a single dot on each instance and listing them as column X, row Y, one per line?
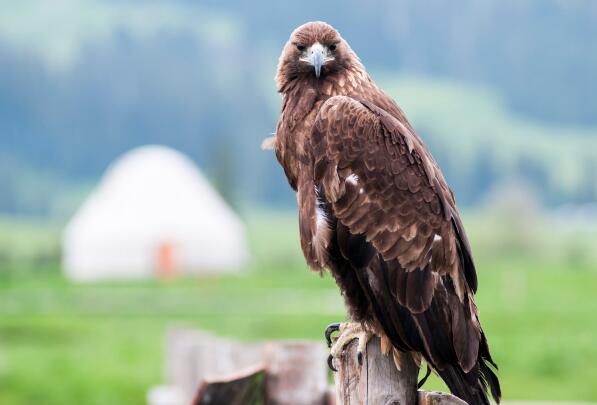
column 102, row 343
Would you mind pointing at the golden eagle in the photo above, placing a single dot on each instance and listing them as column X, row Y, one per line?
column 375, row 209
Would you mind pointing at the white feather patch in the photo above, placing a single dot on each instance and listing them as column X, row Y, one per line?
column 322, row 234
column 321, row 218
column 352, row 179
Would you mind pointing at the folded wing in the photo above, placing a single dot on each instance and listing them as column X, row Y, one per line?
column 380, row 182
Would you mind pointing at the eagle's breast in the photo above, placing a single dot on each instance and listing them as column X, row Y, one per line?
column 349, row 83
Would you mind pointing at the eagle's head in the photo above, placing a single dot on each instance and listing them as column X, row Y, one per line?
column 315, row 51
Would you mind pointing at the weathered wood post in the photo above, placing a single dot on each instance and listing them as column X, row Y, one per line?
column 377, row 381
column 296, row 373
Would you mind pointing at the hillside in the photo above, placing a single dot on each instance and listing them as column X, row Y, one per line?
column 480, row 142
column 83, row 82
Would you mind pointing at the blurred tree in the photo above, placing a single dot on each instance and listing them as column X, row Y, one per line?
column 179, row 73
column 223, row 172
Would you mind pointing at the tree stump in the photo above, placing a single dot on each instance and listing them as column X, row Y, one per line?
column 378, row 382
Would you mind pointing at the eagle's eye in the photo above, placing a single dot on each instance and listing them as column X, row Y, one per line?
column 332, row 47
column 300, row 47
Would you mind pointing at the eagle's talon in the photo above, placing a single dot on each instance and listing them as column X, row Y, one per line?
column 331, row 328
column 331, row 363
column 348, row 333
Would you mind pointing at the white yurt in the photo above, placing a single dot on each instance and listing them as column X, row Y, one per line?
column 153, row 214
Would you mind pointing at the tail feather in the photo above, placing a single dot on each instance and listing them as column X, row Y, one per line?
column 487, row 376
column 471, row 392
column 490, row 380
column 472, row 387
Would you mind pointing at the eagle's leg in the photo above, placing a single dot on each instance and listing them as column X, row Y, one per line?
column 348, row 332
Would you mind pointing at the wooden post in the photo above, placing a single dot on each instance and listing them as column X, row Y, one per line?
column 193, row 356
column 378, row 381
column 296, row 373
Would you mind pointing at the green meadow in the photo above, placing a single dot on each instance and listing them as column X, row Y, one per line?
column 102, row 343
column 500, row 92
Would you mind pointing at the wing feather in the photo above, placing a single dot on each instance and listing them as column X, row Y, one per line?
column 382, row 183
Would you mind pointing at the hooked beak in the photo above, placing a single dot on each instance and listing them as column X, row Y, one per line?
column 317, row 57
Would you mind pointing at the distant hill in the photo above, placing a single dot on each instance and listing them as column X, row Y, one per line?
column 479, row 143
column 83, row 82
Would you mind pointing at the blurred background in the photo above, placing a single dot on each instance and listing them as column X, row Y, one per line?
column 96, row 246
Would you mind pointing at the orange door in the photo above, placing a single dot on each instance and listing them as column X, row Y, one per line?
column 167, row 266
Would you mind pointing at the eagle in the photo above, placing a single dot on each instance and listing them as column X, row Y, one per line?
column 376, row 211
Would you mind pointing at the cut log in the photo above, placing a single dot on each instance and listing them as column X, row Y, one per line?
column 242, row 388
column 438, row 398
